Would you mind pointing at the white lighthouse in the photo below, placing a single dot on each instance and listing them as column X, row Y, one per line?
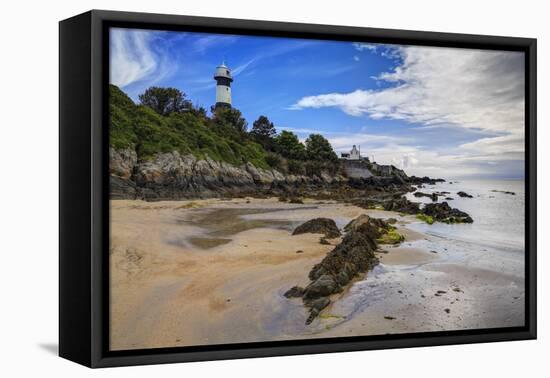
column 223, row 86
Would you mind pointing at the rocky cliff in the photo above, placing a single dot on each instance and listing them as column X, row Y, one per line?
column 175, row 176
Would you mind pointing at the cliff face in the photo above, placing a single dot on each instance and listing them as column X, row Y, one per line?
column 175, row 176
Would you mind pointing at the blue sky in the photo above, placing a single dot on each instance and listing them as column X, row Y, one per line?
column 431, row 111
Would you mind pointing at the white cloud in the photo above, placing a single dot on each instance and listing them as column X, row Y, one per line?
column 342, row 141
column 442, row 86
column 356, row 58
column 131, row 56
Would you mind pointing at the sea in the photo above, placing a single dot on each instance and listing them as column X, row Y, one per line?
column 492, row 246
column 498, row 230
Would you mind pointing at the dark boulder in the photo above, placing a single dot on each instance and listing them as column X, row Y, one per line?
column 323, row 226
column 442, row 212
column 423, row 180
column 432, row 196
column 402, row 205
column 464, row 195
column 504, row 192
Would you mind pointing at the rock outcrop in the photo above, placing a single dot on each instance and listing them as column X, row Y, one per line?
column 175, row 176
column 354, row 255
column 122, row 164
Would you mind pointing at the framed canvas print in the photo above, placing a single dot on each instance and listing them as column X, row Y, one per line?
column 234, row 188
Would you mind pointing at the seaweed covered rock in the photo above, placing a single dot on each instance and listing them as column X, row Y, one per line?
column 390, row 237
column 442, row 212
column 323, row 226
column 374, row 228
column 354, row 255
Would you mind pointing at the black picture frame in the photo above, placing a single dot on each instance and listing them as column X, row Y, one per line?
column 84, row 189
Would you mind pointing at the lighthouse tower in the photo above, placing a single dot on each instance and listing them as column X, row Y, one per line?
column 223, row 86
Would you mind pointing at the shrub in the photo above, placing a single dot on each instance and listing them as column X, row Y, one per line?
column 275, row 161
column 295, row 167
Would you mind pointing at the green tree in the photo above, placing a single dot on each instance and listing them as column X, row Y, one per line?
column 318, row 148
column 165, row 100
column 288, row 145
column 225, row 116
column 263, row 132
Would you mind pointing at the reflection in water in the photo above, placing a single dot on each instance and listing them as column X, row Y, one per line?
column 219, row 224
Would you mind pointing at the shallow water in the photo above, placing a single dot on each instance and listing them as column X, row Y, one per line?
column 218, row 225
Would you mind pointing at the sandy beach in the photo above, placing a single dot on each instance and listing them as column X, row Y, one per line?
column 214, row 271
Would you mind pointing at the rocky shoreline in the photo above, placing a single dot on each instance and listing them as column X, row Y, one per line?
column 172, row 176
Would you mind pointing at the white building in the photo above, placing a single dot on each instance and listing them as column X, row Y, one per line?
column 223, row 85
column 354, row 154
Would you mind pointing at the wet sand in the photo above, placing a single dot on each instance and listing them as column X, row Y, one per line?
column 214, row 271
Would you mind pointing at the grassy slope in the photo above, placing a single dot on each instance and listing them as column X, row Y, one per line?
column 141, row 128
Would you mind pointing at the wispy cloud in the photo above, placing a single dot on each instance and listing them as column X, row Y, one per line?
column 133, row 59
column 239, row 69
column 131, row 56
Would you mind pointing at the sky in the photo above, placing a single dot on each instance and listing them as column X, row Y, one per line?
column 440, row 112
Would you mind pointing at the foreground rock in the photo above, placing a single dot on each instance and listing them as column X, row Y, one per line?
column 354, row 255
column 324, row 226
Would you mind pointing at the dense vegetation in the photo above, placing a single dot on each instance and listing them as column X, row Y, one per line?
column 166, row 121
